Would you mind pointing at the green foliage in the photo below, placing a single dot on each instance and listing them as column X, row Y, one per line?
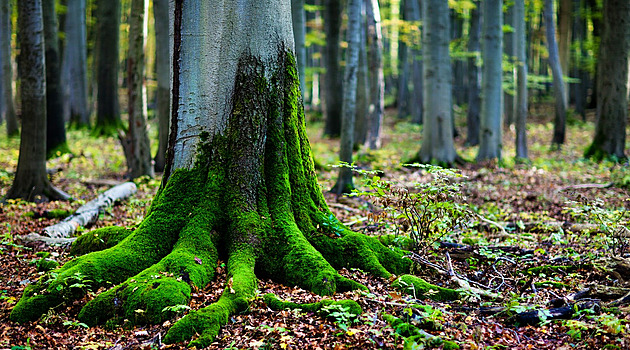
column 341, row 315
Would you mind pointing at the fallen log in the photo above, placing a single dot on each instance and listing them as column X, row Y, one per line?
column 88, row 213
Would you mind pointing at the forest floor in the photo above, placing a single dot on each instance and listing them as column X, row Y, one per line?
column 542, row 236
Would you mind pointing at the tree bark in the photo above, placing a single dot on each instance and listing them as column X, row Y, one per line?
column 508, row 50
column 417, row 68
column 474, row 76
column 520, row 79
column 299, row 36
column 162, row 67
column 363, row 85
column 492, row 34
column 333, row 79
column 437, row 137
column 31, row 182
column 136, row 142
column 376, row 76
column 612, row 77
column 107, row 45
column 559, row 124
column 74, row 66
column 8, row 102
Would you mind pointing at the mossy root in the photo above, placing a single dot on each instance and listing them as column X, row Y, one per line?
column 351, row 306
column 419, row 288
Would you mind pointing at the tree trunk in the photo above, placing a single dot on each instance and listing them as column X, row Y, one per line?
column 136, row 142
column 612, row 77
column 437, row 137
column 163, row 72
column 377, row 79
column 333, row 81
column 417, row 67
column 403, row 98
column 239, row 185
column 559, row 124
column 107, row 45
column 7, row 101
column 508, row 50
column 344, row 181
column 580, row 89
column 565, row 15
column 520, row 79
column 74, row 67
column 55, row 126
column 363, row 85
column 490, row 133
column 31, row 181
column 299, row 36
column 474, row 76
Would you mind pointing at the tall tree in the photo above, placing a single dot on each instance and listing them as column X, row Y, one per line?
column 7, row 103
column 376, row 76
column 55, row 126
column 74, row 66
column 565, row 36
column 612, row 77
column 31, row 180
column 299, row 35
column 163, row 72
column 107, row 48
column 417, row 67
column 344, row 181
column 136, row 141
column 559, row 124
column 333, row 79
column 363, row 85
column 520, row 79
column 474, row 76
column 239, row 183
column 508, row 50
column 490, row 142
column 437, row 139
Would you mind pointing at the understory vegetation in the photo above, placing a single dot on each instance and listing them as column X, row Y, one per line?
column 508, row 255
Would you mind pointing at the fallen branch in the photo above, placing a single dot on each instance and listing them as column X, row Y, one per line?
column 581, row 186
column 88, row 213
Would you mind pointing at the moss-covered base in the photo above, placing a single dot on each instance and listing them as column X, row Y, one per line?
column 252, row 196
column 419, row 288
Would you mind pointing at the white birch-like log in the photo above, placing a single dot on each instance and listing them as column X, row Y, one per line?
column 88, row 213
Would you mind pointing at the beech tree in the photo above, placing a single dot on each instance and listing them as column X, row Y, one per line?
column 333, row 78
column 520, row 79
column 31, row 180
column 376, row 108
column 7, row 103
column 474, row 76
column 239, row 184
column 559, row 124
column 163, row 73
column 74, row 66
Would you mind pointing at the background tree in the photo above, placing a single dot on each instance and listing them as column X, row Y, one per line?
column 520, row 79
column 136, row 142
column 31, row 181
column 344, row 181
column 474, row 76
column 239, row 183
column 107, row 48
column 559, row 124
column 377, row 80
column 437, row 136
column 163, row 72
column 74, row 66
column 299, row 35
column 416, row 67
column 612, row 77
column 55, row 123
column 492, row 34
column 7, row 105
column 333, row 79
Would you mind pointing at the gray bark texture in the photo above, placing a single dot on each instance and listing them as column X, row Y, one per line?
column 490, row 143
column 136, row 141
column 333, row 78
column 163, row 69
column 7, row 102
column 612, row 78
column 377, row 80
column 508, row 50
column 474, row 76
column 363, row 88
column 437, row 140
column 559, row 124
column 344, row 182
column 416, row 58
column 299, row 36
column 31, row 182
column 74, row 66
column 520, row 79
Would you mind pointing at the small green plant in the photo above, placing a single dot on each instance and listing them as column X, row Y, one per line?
column 340, row 314
column 74, row 324
column 176, row 309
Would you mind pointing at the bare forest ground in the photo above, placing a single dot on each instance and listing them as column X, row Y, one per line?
column 531, row 202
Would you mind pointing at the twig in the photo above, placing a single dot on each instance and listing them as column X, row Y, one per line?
column 581, row 186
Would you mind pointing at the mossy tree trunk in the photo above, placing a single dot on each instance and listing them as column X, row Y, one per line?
column 239, row 185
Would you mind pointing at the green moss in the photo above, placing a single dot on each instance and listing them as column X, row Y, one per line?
column 99, row 239
column 398, row 241
column 45, row 264
column 274, row 303
column 551, row 268
column 415, row 338
column 420, row 288
column 58, row 151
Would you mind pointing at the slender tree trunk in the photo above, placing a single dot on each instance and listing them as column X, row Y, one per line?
column 559, row 129
column 403, row 98
column 508, row 50
column 377, row 78
column 7, row 100
column 107, row 45
column 580, row 89
column 55, row 126
column 299, row 35
column 31, row 181
column 333, row 83
column 416, row 58
column 344, row 182
column 565, row 15
column 612, row 77
column 363, row 85
column 162, row 67
column 458, row 69
column 74, row 66
column 520, row 79
column 474, row 76
column 490, row 143
column 136, row 142
column 437, row 136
